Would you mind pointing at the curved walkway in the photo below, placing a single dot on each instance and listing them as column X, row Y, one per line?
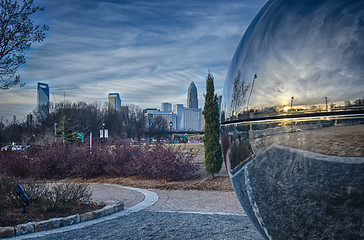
column 160, row 214
column 136, row 199
column 213, row 202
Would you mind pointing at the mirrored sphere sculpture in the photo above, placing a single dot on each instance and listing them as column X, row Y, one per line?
column 292, row 120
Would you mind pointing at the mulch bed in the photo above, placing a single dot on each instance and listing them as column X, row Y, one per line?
column 13, row 216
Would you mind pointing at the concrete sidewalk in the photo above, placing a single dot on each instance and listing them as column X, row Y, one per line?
column 171, row 201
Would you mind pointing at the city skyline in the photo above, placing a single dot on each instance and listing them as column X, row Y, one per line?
column 148, row 52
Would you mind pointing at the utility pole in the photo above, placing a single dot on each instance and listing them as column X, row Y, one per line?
column 326, row 101
column 251, row 90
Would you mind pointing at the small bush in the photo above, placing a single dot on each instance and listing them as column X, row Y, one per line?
column 58, row 196
column 44, row 197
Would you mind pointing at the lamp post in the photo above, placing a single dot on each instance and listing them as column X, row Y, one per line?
column 170, row 131
column 55, row 132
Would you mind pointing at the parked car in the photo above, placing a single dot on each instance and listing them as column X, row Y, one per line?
column 17, row 148
column 12, row 147
column 7, row 148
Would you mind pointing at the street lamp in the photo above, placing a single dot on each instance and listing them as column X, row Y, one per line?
column 170, row 130
column 55, row 132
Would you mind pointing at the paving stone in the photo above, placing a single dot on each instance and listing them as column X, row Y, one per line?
column 24, row 228
column 48, row 224
column 73, row 219
column 87, row 216
column 119, row 206
column 108, row 210
column 6, row 232
column 43, row 225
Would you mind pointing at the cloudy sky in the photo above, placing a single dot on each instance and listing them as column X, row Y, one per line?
column 310, row 50
column 147, row 51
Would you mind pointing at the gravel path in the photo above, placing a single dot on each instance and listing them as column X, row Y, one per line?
column 162, row 225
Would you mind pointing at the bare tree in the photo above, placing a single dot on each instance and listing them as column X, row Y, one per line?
column 159, row 123
column 17, row 35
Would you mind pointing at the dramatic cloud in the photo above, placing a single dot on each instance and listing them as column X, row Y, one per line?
column 148, row 51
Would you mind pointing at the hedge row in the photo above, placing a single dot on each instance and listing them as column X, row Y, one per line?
column 121, row 159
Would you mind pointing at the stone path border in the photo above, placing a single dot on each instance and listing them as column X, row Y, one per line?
column 79, row 220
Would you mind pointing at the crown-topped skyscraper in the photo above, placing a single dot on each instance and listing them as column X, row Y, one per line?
column 192, row 101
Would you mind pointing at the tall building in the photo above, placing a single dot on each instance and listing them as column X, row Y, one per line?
column 178, row 110
column 192, row 101
column 188, row 119
column 42, row 101
column 114, row 101
column 166, row 107
column 192, row 119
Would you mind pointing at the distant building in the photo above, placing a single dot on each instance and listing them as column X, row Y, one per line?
column 192, row 100
column 149, row 110
column 188, row 119
column 169, row 117
column 114, row 101
column 166, row 107
column 178, row 110
column 42, row 101
column 192, row 119
column 29, row 120
column 181, row 118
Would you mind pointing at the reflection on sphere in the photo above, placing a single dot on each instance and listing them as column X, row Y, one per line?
column 292, row 120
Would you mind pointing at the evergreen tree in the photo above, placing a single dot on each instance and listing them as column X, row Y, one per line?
column 65, row 133
column 213, row 153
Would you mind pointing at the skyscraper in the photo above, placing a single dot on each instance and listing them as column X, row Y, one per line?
column 114, row 101
column 42, row 101
column 192, row 101
column 166, row 107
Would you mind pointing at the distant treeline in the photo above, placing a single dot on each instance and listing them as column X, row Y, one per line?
column 77, row 117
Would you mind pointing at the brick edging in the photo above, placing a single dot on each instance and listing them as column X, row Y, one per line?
column 59, row 222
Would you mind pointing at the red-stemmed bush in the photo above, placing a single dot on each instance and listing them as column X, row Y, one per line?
column 120, row 159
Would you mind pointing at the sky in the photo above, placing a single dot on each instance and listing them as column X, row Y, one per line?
column 310, row 50
column 147, row 51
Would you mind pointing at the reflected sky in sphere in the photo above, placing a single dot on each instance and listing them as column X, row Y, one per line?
column 305, row 53
column 292, row 116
